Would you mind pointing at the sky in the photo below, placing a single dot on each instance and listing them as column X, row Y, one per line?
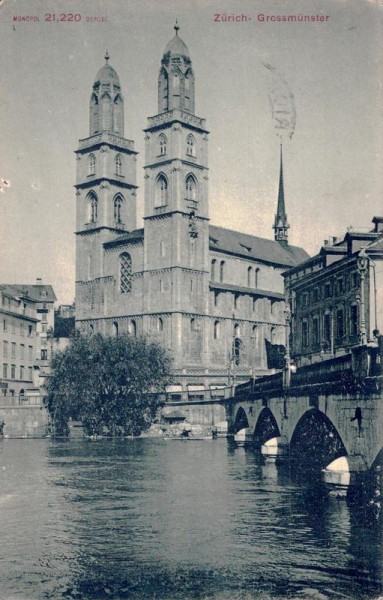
column 327, row 75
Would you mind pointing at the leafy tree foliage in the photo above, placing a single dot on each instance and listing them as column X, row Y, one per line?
column 110, row 384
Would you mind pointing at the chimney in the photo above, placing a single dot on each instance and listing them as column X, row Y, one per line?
column 38, row 281
column 378, row 222
column 334, row 240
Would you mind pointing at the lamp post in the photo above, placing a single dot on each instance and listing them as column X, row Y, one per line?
column 287, row 372
column 362, row 263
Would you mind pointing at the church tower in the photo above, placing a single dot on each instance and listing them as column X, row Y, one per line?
column 176, row 217
column 281, row 224
column 106, row 178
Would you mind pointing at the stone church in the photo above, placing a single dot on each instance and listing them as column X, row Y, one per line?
column 212, row 296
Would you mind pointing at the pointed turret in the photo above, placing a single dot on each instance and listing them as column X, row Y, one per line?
column 106, row 102
column 176, row 78
column 281, row 224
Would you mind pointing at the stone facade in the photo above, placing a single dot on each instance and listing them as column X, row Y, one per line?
column 210, row 295
column 336, row 297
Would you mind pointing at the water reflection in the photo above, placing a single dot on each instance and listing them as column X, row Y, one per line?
column 153, row 519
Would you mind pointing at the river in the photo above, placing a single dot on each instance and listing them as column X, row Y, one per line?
column 154, row 519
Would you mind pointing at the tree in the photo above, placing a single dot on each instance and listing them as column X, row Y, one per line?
column 110, row 384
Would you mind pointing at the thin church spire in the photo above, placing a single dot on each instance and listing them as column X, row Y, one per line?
column 281, row 225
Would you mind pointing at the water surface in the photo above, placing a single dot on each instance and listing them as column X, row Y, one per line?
column 148, row 518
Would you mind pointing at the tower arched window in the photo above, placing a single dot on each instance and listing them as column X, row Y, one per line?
column 162, row 144
column 118, row 164
column 237, row 349
column 160, row 324
column 216, row 330
column 189, row 90
column 92, row 165
column 115, row 329
column 161, row 192
column 190, row 187
column 118, row 201
column 212, row 269
column 222, row 270
column 190, row 145
column 92, row 207
column 256, row 277
column 163, row 91
column 132, row 328
column 125, row 273
column 249, row 276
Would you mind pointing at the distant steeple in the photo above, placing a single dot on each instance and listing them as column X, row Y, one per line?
column 281, row 224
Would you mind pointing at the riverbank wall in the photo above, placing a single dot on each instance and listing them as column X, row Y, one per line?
column 29, row 419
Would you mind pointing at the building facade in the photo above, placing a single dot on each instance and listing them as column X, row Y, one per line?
column 17, row 342
column 212, row 296
column 336, row 297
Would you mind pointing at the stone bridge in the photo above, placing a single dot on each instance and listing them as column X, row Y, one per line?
column 326, row 419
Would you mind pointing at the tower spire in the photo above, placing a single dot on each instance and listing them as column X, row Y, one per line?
column 176, row 27
column 281, row 224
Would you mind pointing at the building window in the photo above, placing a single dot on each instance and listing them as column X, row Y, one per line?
column 21, row 373
column 13, row 326
column 30, row 373
column 132, row 328
column 5, row 371
column 161, row 191
column 118, row 164
column 13, row 350
column 162, row 144
column 190, row 187
column 92, row 207
column 115, row 329
column 222, row 270
column 354, row 280
column 160, row 324
column 212, row 269
column 125, row 273
column 30, row 353
column 305, row 299
column 216, row 294
column 22, row 351
column 5, row 349
column 249, row 276
column 193, row 326
column 117, row 209
column 5, row 325
column 305, row 334
column 13, row 371
column 92, row 165
column 22, row 329
column 340, row 285
column 190, row 146
column 237, row 348
column 354, row 325
column 315, row 332
column 236, row 298
column 44, row 354
column 43, row 327
column 315, row 295
column 340, row 323
column 327, row 328
column 30, row 330
column 216, row 330
column 327, row 290
column 256, row 277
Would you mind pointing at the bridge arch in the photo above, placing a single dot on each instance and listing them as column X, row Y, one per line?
column 266, row 427
column 316, row 443
column 241, row 421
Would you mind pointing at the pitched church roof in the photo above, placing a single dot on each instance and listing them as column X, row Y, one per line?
column 256, row 248
column 236, row 243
